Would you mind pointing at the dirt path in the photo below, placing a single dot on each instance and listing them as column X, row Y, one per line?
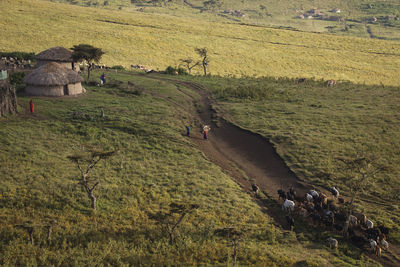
column 250, row 158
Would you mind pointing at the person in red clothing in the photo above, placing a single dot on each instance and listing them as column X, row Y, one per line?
column 31, row 106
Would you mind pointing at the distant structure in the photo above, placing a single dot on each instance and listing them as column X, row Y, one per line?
column 52, row 79
column 58, row 55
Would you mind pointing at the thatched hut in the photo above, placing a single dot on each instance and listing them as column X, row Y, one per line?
column 53, row 79
column 59, row 55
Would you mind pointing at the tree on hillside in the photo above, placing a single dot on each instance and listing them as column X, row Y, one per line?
column 212, row 4
column 233, row 235
column 359, row 174
column 87, row 53
column 203, row 53
column 190, row 64
column 172, row 219
column 86, row 163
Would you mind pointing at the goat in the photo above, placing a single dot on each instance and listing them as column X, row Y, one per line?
column 282, row 194
column 288, row 205
column 333, row 243
column 309, row 197
column 316, row 218
column 334, row 192
column 255, row 189
column 369, row 224
column 330, row 83
column 378, row 251
column 360, row 217
column 384, row 244
column 314, row 193
column 290, row 222
column 353, row 220
column 372, row 244
column 384, row 230
column 301, row 80
column 291, row 194
column 372, row 233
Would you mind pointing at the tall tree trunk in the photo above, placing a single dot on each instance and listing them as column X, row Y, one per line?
column 205, row 69
column 88, row 72
column 92, row 199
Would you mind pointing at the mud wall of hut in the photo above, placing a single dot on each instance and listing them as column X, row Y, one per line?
column 56, row 90
column 8, row 98
column 75, row 88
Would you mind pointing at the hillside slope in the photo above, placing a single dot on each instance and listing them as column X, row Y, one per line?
column 161, row 40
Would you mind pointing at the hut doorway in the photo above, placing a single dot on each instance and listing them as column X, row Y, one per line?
column 66, row 91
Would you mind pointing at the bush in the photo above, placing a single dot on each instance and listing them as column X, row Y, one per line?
column 175, row 71
column 118, row 67
column 16, row 81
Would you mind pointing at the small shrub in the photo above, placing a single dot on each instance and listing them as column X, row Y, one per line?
column 170, row 70
column 118, row 67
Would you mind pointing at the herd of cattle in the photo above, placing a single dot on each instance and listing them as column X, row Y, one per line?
column 319, row 210
column 327, row 83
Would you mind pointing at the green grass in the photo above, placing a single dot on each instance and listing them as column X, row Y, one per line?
column 154, row 167
column 311, row 124
column 158, row 40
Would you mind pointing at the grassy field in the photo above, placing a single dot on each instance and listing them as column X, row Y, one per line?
column 311, row 124
column 270, row 13
column 154, row 167
column 157, row 40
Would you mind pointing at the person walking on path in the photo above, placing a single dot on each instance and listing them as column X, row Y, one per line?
column 31, row 106
column 187, row 130
column 206, row 129
column 103, row 79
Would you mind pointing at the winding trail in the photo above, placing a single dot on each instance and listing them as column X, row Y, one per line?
column 250, row 158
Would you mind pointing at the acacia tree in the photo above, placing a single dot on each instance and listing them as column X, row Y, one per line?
column 174, row 218
column 188, row 63
column 87, row 53
column 90, row 161
column 203, row 53
column 359, row 174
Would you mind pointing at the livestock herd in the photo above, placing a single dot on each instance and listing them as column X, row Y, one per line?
column 317, row 209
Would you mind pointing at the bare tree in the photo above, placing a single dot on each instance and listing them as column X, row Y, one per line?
column 359, row 173
column 174, row 218
column 233, row 235
column 203, row 53
column 188, row 63
column 90, row 161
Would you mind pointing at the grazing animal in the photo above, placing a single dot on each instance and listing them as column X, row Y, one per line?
column 290, row 221
column 360, row 217
column 310, row 207
column 334, row 192
column 255, row 188
column 372, row 244
column 292, row 193
column 301, row 80
column 314, row 193
column 330, row 83
column 341, row 200
column 369, row 224
column 340, row 216
column 384, row 230
column 302, row 212
column 282, row 194
column 316, row 218
column 309, row 197
column 384, row 244
column 333, row 243
column 338, row 228
column 288, row 205
column 353, row 220
column 372, row 233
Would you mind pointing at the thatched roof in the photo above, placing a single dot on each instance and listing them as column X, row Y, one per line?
column 57, row 53
column 52, row 74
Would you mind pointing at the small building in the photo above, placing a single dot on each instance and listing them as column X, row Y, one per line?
column 59, row 55
column 53, row 79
